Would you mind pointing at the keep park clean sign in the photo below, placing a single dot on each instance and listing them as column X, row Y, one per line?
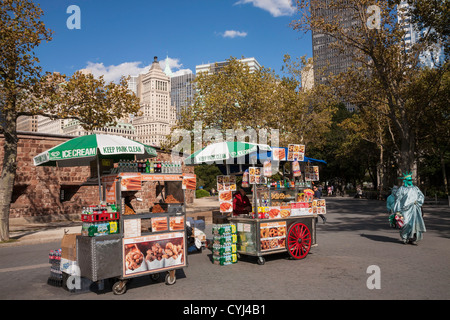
column 122, row 149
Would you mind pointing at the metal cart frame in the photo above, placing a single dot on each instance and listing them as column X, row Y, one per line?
column 97, row 257
column 299, row 237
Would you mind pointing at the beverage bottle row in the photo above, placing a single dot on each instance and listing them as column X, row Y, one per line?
column 99, row 209
column 148, row 166
column 94, row 229
column 54, row 256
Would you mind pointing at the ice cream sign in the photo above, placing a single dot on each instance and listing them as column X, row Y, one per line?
column 76, row 153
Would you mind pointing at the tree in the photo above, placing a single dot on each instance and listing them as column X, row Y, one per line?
column 433, row 15
column 384, row 70
column 240, row 99
column 23, row 91
column 434, row 134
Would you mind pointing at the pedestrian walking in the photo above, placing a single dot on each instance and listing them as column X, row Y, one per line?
column 408, row 203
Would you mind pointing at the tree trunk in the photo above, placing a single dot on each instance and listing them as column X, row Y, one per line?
column 8, row 173
column 444, row 175
column 380, row 175
column 407, row 154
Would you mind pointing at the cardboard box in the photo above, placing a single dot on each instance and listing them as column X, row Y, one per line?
column 69, row 246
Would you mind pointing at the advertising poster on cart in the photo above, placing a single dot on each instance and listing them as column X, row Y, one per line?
column 153, row 253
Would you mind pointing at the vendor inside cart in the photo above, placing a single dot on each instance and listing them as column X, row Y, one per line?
column 241, row 203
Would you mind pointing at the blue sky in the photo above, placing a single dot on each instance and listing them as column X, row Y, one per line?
column 122, row 37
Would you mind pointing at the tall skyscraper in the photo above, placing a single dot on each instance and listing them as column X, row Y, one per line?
column 182, row 94
column 429, row 58
column 158, row 114
column 328, row 59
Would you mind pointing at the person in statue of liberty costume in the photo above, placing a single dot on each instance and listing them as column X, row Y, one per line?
column 390, row 201
column 408, row 206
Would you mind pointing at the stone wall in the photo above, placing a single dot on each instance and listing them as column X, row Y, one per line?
column 37, row 192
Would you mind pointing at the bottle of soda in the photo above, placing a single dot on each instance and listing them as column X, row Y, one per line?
column 147, row 166
column 158, row 167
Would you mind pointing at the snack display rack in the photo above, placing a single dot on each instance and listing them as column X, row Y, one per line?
column 147, row 244
column 284, row 212
column 279, row 228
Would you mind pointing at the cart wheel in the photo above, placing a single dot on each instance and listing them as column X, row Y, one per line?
column 155, row 277
column 261, row 261
column 170, row 279
column 298, row 241
column 120, row 287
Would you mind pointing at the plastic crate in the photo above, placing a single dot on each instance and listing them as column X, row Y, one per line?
column 97, row 217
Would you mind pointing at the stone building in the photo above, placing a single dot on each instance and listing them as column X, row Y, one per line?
column 52, row 193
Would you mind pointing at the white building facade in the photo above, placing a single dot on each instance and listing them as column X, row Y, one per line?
column 157, row 113
column 214, row 67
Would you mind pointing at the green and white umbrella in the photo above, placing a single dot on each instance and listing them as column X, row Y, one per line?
column 223, row 151
column 82, row 150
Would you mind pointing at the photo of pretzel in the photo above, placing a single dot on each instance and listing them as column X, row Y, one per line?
column 273, row 232
column 264, row 233
column 285, row 213
column 133, row 258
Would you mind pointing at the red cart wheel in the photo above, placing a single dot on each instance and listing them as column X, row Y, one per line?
column 298, row 240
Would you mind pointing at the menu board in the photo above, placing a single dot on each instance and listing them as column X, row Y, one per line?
column 301, row 208
column 279, row 154
column 159, row 224
column 296, row 152
column 131, row 182
column 131, row 228
column 319, row 206
column 189, row 181
column 226, row 183
column 312, row 173
column 147, row 254
column 273, row 235
column 254, row 174
column 226, row 201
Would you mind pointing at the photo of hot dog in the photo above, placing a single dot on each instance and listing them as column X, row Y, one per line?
column 159, row 224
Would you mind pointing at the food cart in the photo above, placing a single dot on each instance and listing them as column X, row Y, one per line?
column 284, row 212
column 117, row 242
column 289, row 227
column 148, row 243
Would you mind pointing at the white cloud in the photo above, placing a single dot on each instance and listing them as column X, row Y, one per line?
column 115, row 72
column 276, row 8
column 182, row 72
column 234, row 34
